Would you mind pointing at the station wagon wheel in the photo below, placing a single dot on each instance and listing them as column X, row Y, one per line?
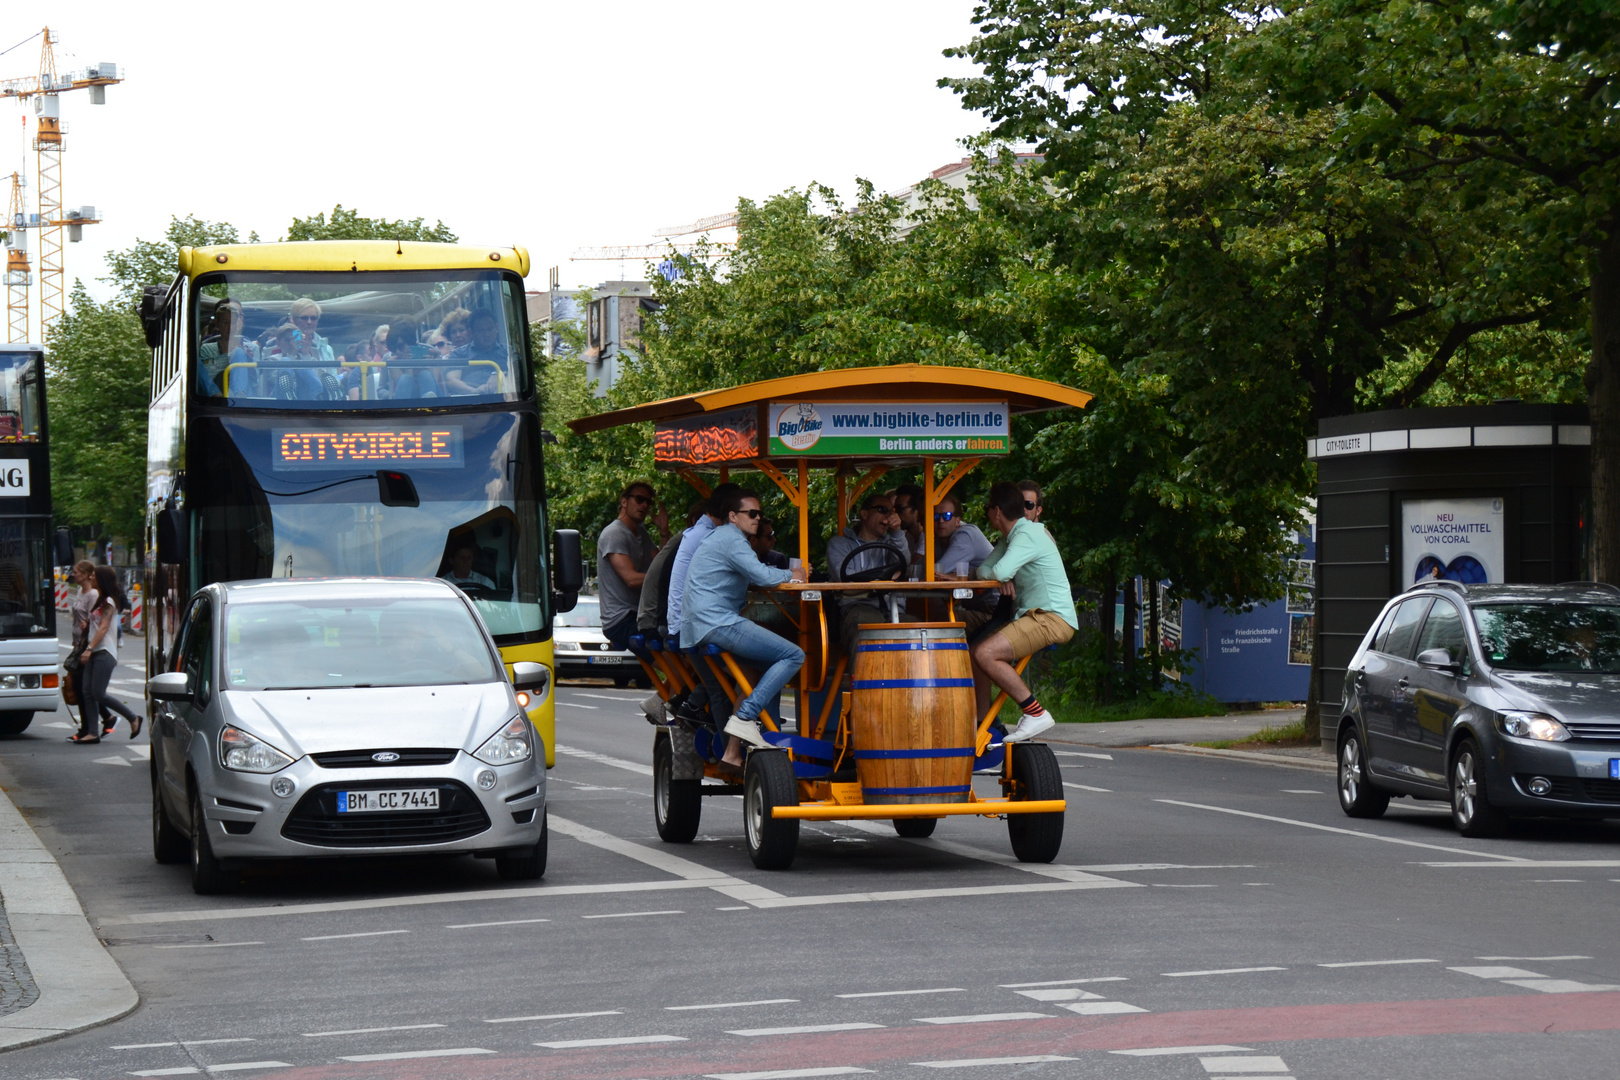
column 1358, row 798
column 769, row 782
column 1036, row 776
column 1471, row 808
column 169, row 844
column 677, row 804
column 207, row 875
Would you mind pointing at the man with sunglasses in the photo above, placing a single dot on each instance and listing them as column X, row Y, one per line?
column 623, row 553
column 877, row 524
column 716, row 590
column 1032, row 499
column 908, row 499
column 959, row 546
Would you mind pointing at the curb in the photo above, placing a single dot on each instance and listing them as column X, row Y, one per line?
column 1252, row 755
column 80, row 985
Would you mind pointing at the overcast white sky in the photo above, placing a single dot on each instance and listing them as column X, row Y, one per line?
column 550, row 124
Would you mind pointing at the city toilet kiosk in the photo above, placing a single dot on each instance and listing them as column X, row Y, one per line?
column 902, row 741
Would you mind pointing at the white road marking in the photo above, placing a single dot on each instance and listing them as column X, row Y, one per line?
column 1156, row 1051
column 1559, row 986
column 806, row 1029
column 1532, row 959
column 1557, row 881
column 369, row 1031
column 603, row 759
column 142, row 1046
column 406, row 1055
column 210, row 1042
column 552, row 1016
column 210, row 945
column 60, row 724
column 736, row 907
column 668, row 862
column 1101, row 1008
column 630, row 914
column 243, row 1066
column 1064, row 982
column 904, row 993
column 184, row 1071
column 367, row 933
column 629, row 1040
column 1374, row 963
column 1082, row 753
column 1302, row 791
column 1219, row 971
column 125, row 762
column 968, row 851
column 502, row 922
column 1497, row 972
column 733, row 1004
column 141, row 750
column 1060, row 993
column 1512, row 860
column 1162, row 885
column 1088, row 787
column 969, row 1063
column 577, row 705
column 1256, row 1064
column 609, row 697
column 932, row 894
column 983, row 1018
column 788, row 1074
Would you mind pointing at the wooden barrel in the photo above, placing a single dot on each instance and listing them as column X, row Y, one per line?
column 912, row 712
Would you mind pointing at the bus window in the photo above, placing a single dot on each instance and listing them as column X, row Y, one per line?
column 294, row 341
column 19, row 397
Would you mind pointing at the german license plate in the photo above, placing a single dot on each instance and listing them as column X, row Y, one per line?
column 371, row 802
column 607, row 659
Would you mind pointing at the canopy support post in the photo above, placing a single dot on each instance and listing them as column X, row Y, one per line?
column 929, row 500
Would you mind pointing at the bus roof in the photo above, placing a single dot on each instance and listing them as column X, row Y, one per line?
column 351, row 255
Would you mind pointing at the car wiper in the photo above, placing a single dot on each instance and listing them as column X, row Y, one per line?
column 294, row 688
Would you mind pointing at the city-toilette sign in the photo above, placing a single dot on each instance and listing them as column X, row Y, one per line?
column 862, row 429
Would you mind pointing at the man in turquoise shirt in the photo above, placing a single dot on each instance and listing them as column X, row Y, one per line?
column 1027, row 563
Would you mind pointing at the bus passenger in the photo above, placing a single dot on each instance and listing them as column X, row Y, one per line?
column 413, row 381
column 876, row 525
column 485, row 347
column 1027, row 563
column 354, row 377
column 222, row 347
column 288, row 384
column 717, row 586
column 305, row 314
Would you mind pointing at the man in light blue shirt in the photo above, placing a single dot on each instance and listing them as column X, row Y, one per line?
column 713, row 517
column 717, row 587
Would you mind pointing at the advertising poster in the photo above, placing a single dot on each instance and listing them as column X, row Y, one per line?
column 875, row 428
column 1454, row 539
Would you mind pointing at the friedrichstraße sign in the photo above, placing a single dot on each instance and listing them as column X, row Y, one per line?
column 863, row 429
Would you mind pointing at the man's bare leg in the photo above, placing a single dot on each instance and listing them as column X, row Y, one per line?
column 992, row 658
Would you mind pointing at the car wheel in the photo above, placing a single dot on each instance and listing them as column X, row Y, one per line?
column 1036, row 777
column 15, row 723
column 768, row 783
column 530, row 865
column 915, row 828
column 1358, row 798
column 207, row 875
column 169, row 845
column 677, row 804
column 1471, row 808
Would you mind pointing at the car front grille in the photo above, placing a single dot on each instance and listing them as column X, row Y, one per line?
column 315, row 819
column 1570, row 789
column 365, row 759
column 1607, row 791
column 1595, row 730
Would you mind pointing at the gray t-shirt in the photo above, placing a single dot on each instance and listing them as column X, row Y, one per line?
column 617, row 598
column 964, row 551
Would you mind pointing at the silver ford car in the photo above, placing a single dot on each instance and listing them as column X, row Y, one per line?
column 339, row 717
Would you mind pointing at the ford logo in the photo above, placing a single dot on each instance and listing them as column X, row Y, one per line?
column 385, row 755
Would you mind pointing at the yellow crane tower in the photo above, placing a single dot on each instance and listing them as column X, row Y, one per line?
column 44, row 89
column 18, row 273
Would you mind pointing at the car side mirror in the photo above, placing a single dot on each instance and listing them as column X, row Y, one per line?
column 527, row 675
column 1438, row 660
column 169, row 686
column 567, row 569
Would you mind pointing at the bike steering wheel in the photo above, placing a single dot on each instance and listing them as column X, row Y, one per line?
column 893, row 564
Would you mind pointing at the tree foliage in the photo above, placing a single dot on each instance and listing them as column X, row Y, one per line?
column 345, row 224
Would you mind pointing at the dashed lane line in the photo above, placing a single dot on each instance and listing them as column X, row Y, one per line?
column 577, row 705
column 1064, row 982
column 802, row 1029
column 789, row 1074
column 205, row 944
column 553, row 1016
column 407, row 1055
column 604, row 759
column 733, row 1004
column 1082, row 753
column 1537, row 864
column 630, row 914
column 1512, row 860
column 1088, row 787
column 363, row 933
column 626, row 1040
column 905, row 993
column 974, row 1063
column 1533, row 959
column 984, row 1018
column 1374, row 963
column 1161, row 1051
column 1219, row 971
column 499, row 922
column 244, row 1066
column 370, row 1031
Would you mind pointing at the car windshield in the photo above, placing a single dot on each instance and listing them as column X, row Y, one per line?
column 283, row 645
column 1550, row 637
column 585, row 613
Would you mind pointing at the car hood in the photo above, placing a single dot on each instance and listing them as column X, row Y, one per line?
column 577, row 633
column 1575, row 696
column 303, row 722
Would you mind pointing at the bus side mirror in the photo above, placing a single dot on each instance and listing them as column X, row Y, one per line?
column 152, row 314
column 172, row 538
column 64, row 547
column 567, row 569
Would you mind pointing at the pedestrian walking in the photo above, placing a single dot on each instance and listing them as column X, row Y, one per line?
column 99, row 655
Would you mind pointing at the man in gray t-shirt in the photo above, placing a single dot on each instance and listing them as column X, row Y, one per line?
column 623, row 553
column 959, row 547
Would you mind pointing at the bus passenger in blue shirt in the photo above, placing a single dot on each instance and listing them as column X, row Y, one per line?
column 716, row 589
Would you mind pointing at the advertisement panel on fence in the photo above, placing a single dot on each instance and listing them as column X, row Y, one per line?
column 1453, row 539
column 872, row 429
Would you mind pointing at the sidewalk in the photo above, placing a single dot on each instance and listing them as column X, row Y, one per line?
column 55, row 976
column 1192, row 729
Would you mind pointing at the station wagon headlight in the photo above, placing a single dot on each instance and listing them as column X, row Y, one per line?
column 568, row 646
column 242, row 752
column 514, row 742
column 1529, row 725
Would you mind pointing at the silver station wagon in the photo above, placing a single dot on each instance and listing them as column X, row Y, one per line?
column 341, row 717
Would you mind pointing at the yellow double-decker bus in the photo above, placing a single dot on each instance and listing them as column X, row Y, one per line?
column 337, row 408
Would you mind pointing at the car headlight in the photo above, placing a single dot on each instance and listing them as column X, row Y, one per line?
column 514, row 742
column 242, row 752
column 1529, row 725
column 568, row 646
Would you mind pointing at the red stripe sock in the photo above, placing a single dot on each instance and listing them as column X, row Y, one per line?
column 1032, row 707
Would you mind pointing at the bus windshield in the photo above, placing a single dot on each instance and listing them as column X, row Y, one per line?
column 19, row 397
column 382, row 339
column 27, row 593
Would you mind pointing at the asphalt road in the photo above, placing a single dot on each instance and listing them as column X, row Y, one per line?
column 1205, row 918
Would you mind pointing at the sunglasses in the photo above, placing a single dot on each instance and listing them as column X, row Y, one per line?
column 754, row 513
column 945, row 515
column 1030, row 505
column 642, row 499
column 884, row 510
column 306, row 318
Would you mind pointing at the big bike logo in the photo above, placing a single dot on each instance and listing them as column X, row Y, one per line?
column 14, row 479
column 799, row 426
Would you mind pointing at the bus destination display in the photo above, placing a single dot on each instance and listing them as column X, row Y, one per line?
column 307, row 449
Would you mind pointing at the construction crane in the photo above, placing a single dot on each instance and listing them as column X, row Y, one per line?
column 18, row 273
column 45, row 89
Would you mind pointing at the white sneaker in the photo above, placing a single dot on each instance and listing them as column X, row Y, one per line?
column 1029, row 727
column 746, row 730
column 653, row 706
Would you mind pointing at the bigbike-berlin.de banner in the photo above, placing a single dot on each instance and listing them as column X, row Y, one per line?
column 876, row 428
column 1452, row 539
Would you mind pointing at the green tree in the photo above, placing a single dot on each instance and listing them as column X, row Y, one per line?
column 344, row 224
column 148, row 262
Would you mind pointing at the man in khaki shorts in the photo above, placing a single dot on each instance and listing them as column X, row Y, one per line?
column 1027, row 563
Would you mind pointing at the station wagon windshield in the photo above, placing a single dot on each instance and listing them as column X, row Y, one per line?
column 292, row 646
column 1550, row 637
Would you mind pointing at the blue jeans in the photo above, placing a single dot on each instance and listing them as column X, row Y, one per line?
column 755, row 645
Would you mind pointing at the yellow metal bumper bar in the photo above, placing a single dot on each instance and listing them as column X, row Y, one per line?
column 868, row 811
